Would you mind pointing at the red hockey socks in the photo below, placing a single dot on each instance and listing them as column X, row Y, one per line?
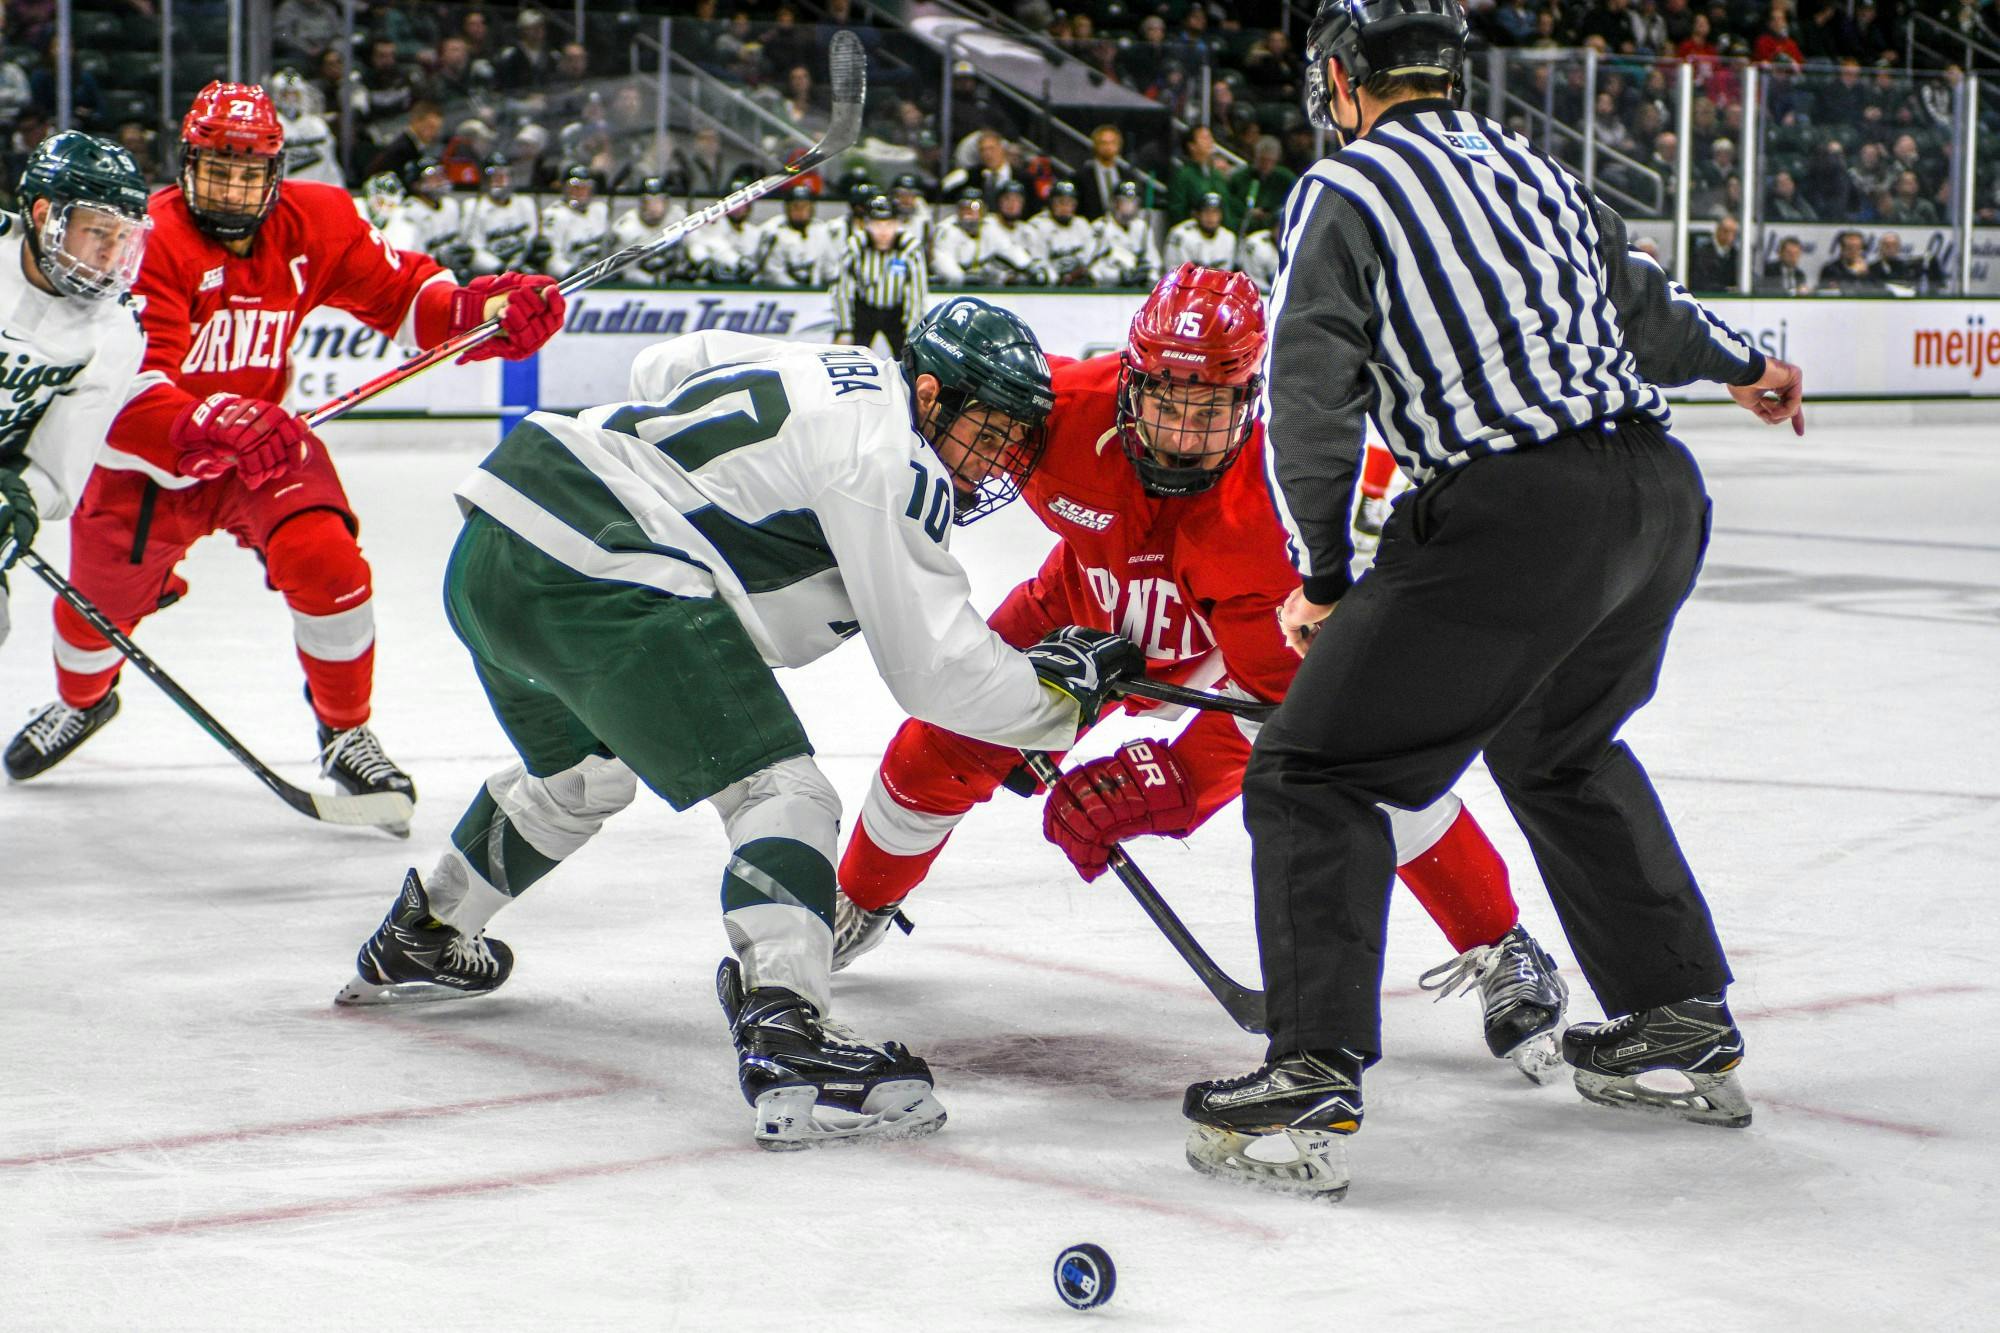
column 313, row 561
column 872, row 877
column 1462, row 882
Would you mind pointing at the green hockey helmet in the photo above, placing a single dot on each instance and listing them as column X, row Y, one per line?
column 994, row 399
column 90, row 240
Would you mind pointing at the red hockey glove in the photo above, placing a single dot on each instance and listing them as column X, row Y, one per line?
column 533, row 313
column 261, row 440
column 1142, row 788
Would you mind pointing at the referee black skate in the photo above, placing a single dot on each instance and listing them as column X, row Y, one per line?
column 883, row 285
column 1444, row 276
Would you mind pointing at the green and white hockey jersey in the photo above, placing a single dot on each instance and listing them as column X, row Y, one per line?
column 66, row 368
column 786, row 479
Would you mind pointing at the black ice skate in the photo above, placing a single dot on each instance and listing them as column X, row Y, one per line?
column 1679, row 1059
column 354, row 760
column 1523, row 998
column 812, row 1081
column 53, row 734
column 856, row 930
column 413, row 957
column 1283, row 1127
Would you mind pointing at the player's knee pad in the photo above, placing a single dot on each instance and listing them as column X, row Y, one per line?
column 789, row 799
column 1417, row 831
column 559, row 813
column 936, row 772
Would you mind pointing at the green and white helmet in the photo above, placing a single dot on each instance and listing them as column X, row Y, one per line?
column 986, row 362
column 93, row 235
column 384, row 192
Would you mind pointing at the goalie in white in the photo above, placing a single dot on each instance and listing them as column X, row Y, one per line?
column 627, row 579
column 311, row 153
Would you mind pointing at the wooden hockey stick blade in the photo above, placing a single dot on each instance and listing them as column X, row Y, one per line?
column 388, row 810
column 847, row 63
column 1242, row 1004
column 1144, row 687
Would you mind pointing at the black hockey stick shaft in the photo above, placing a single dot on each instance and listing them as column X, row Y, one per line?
column 1242, row 1004
column 847, row 64
column 1144, row 687
column 306, row 803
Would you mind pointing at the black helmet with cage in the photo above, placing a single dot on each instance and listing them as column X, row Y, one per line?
column 89, row 240
column 1372, row 39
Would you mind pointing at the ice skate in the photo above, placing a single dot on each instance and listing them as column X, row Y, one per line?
column 1283, row 1127
column 856, row 929
column 53, row 734
column 1679, row 1059
column 354, row 760
column 413, row 957
column 1523, row 997
column 813, row 1082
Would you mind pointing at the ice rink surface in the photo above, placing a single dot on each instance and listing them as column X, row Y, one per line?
column 192, row 1138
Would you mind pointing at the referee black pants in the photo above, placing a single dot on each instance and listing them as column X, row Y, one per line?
column 870, row 320
column 1519, row 606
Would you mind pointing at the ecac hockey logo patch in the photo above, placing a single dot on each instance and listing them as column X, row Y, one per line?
column 1097, row 520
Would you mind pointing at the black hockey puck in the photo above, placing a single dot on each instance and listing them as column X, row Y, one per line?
column 1085, row 1277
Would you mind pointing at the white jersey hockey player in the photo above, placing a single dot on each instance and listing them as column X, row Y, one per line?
column 1011, row 207
column 913, row 209
column 1260, row 259
column 500, row 225
column 626, row 581
column 577, row 227
column 72, row 339
column 793, row 250
column 311, row 152
column 1202, row 239
column 972, row 250
column 427, row 219
column 1128, row 254
column 380, row 198
column 1067, row 245
column 726, row 252
column 645, row 223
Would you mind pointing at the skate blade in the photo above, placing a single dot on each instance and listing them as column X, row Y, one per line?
column 1705, row 1099
column 790, row 1119
column 360, row 991
column 1316, row 1167
column 1539, row 1058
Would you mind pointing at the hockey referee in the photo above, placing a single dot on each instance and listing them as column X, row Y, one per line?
column 1444, row 276
column 883, row 285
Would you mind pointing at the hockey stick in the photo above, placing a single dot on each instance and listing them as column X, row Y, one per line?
column 1142, row 687
column 380, row 809
column 847, row 71
column 1244, row 1005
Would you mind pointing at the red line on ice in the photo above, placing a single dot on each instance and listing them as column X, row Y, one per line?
column 282, row 1128
column 1837, row 1002
column 487, row 1046
column 1117, row 978
column 1859, row 1121
column 414, row 1194
column 1116, row 1198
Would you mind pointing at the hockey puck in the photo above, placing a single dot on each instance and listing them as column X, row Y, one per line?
column 1085, row 1277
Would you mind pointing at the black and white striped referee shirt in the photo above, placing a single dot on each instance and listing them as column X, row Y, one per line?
column 886, row 279
column 1444, row 277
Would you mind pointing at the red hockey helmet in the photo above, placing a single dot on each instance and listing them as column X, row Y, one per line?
column 232, row 158
column 1189, row 378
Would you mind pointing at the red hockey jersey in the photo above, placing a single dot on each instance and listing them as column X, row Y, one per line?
column 217, row 322
column 1195, row 581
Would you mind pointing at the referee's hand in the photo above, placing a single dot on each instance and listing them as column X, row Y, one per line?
column 1301, row 619
column 1779, row 396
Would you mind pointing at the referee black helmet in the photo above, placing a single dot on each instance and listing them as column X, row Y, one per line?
column 1368, row 38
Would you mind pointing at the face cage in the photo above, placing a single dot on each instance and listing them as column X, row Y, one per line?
column 70, row 274
column 1015, row 459
column 229, row 224
column 1169, row 479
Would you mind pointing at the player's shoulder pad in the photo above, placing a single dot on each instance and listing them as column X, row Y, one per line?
column 8, row 221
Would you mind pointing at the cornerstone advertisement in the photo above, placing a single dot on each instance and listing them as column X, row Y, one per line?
column 1851, row 348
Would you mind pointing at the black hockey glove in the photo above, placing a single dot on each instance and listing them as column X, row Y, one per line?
column 1085, row 664
column 19, row 519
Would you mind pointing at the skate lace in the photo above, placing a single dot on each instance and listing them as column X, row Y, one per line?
column 358, row 749
column 1506, row 973
column 468, row 953
column 1462, row 972
column 55, row 727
